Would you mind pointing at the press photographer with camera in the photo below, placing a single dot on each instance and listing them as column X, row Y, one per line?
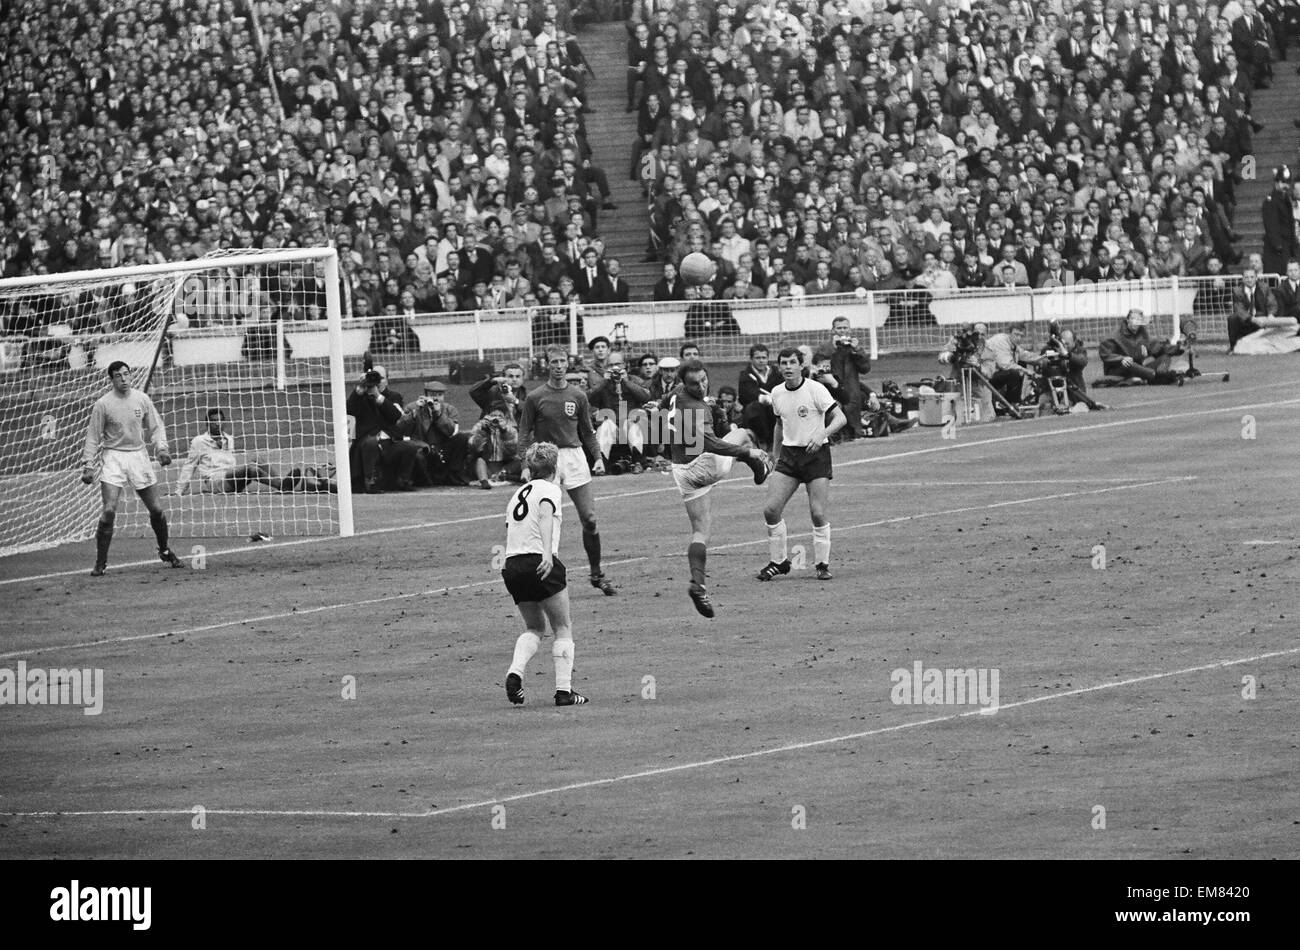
column 377, row 448
column 621, row 439
column 1065, row 357
column 502, row 393
column 847, row 361
column 494, row 440
column 1011, row 363
column 434, row 428
column 966, row 349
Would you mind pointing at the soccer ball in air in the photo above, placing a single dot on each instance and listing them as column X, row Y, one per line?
column 697, row 268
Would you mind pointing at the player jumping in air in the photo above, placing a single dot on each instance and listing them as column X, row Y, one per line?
column 806, row 417
column 559, row 413
column 118, row 425
column 535, row 575
column 701, row 460
column 213, row 456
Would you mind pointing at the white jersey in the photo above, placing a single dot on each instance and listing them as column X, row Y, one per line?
column 802, row 411
column 211, row 457
column 523, row 522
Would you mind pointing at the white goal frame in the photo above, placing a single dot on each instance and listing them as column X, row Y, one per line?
column 327, row 257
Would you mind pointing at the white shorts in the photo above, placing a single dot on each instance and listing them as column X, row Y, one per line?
column 127, row 469
column 571, row 469
column 698, row 476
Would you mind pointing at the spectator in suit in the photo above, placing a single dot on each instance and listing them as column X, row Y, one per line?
column 754, row 394
column 611, row 288
column 1252, row 299
column 588, row 275
column 1288, row 292
column 1279, row 223
column 670, row 286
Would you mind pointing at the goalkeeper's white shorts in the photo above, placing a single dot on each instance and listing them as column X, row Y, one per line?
column 127, row 469
column 698, row 476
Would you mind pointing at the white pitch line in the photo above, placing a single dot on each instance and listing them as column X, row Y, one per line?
column 948, row 445
column 664, row 770
column 1281, row 541
column 391, row 598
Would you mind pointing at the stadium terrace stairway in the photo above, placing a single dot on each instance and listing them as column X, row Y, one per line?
column 610, row 132
column 1275, row 107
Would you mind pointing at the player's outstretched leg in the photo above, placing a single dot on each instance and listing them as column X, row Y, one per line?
column 586, row 505
column 760, row 463
column 557, row 613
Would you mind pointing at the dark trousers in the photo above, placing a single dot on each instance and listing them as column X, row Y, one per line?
column 446, row 462
column 760, row 420
column 1010, row 384
column 1239, row 327
column 378, row 460
column 1154, row 370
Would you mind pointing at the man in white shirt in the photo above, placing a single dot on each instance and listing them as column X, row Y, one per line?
column 212, row 457
column 807, row 415
column 1009, row 357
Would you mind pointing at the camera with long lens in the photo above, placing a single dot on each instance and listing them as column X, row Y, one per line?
column 371, row 378
column 1054, row 363
column 966, row 344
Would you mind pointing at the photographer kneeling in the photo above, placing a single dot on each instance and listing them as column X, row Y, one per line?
column 494, row 438
column 1010, row 371
column 966, row 349
column 377, row 447
column 1065, row 357
column 1132, row 354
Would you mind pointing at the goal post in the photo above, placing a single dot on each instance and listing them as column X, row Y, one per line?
column 250, row 341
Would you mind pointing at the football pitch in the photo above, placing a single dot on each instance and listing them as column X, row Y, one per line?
column 1128, row 580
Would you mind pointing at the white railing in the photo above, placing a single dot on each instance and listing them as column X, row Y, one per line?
column 896, row 321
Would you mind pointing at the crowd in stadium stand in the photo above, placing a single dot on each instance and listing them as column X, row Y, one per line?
column 807, row 147
column 440, row 146
column 817, row 148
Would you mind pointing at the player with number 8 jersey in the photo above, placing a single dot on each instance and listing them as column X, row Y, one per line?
column 535, row 576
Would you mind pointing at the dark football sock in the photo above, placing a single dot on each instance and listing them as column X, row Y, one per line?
column 158, row 521
column 103, row 538
column 696, row 554
column 591, row 544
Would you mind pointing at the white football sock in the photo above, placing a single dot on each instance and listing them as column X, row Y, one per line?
column 776, row 542
column 525, row 647
column 562, row 651
column 822, row 544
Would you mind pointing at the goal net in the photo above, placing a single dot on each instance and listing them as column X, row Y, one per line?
column 242, row 355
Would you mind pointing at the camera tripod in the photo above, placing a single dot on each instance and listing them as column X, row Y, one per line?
column 1192, row 373
column 968, row 375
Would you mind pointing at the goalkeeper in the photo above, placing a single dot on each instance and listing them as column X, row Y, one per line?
column 115, row 445
column 212, row 455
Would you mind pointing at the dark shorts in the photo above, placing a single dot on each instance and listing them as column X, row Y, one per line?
column 802, row 467
column 520, row 575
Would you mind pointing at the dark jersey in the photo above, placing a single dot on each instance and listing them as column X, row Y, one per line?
column 692, row 429
column 561, row 416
